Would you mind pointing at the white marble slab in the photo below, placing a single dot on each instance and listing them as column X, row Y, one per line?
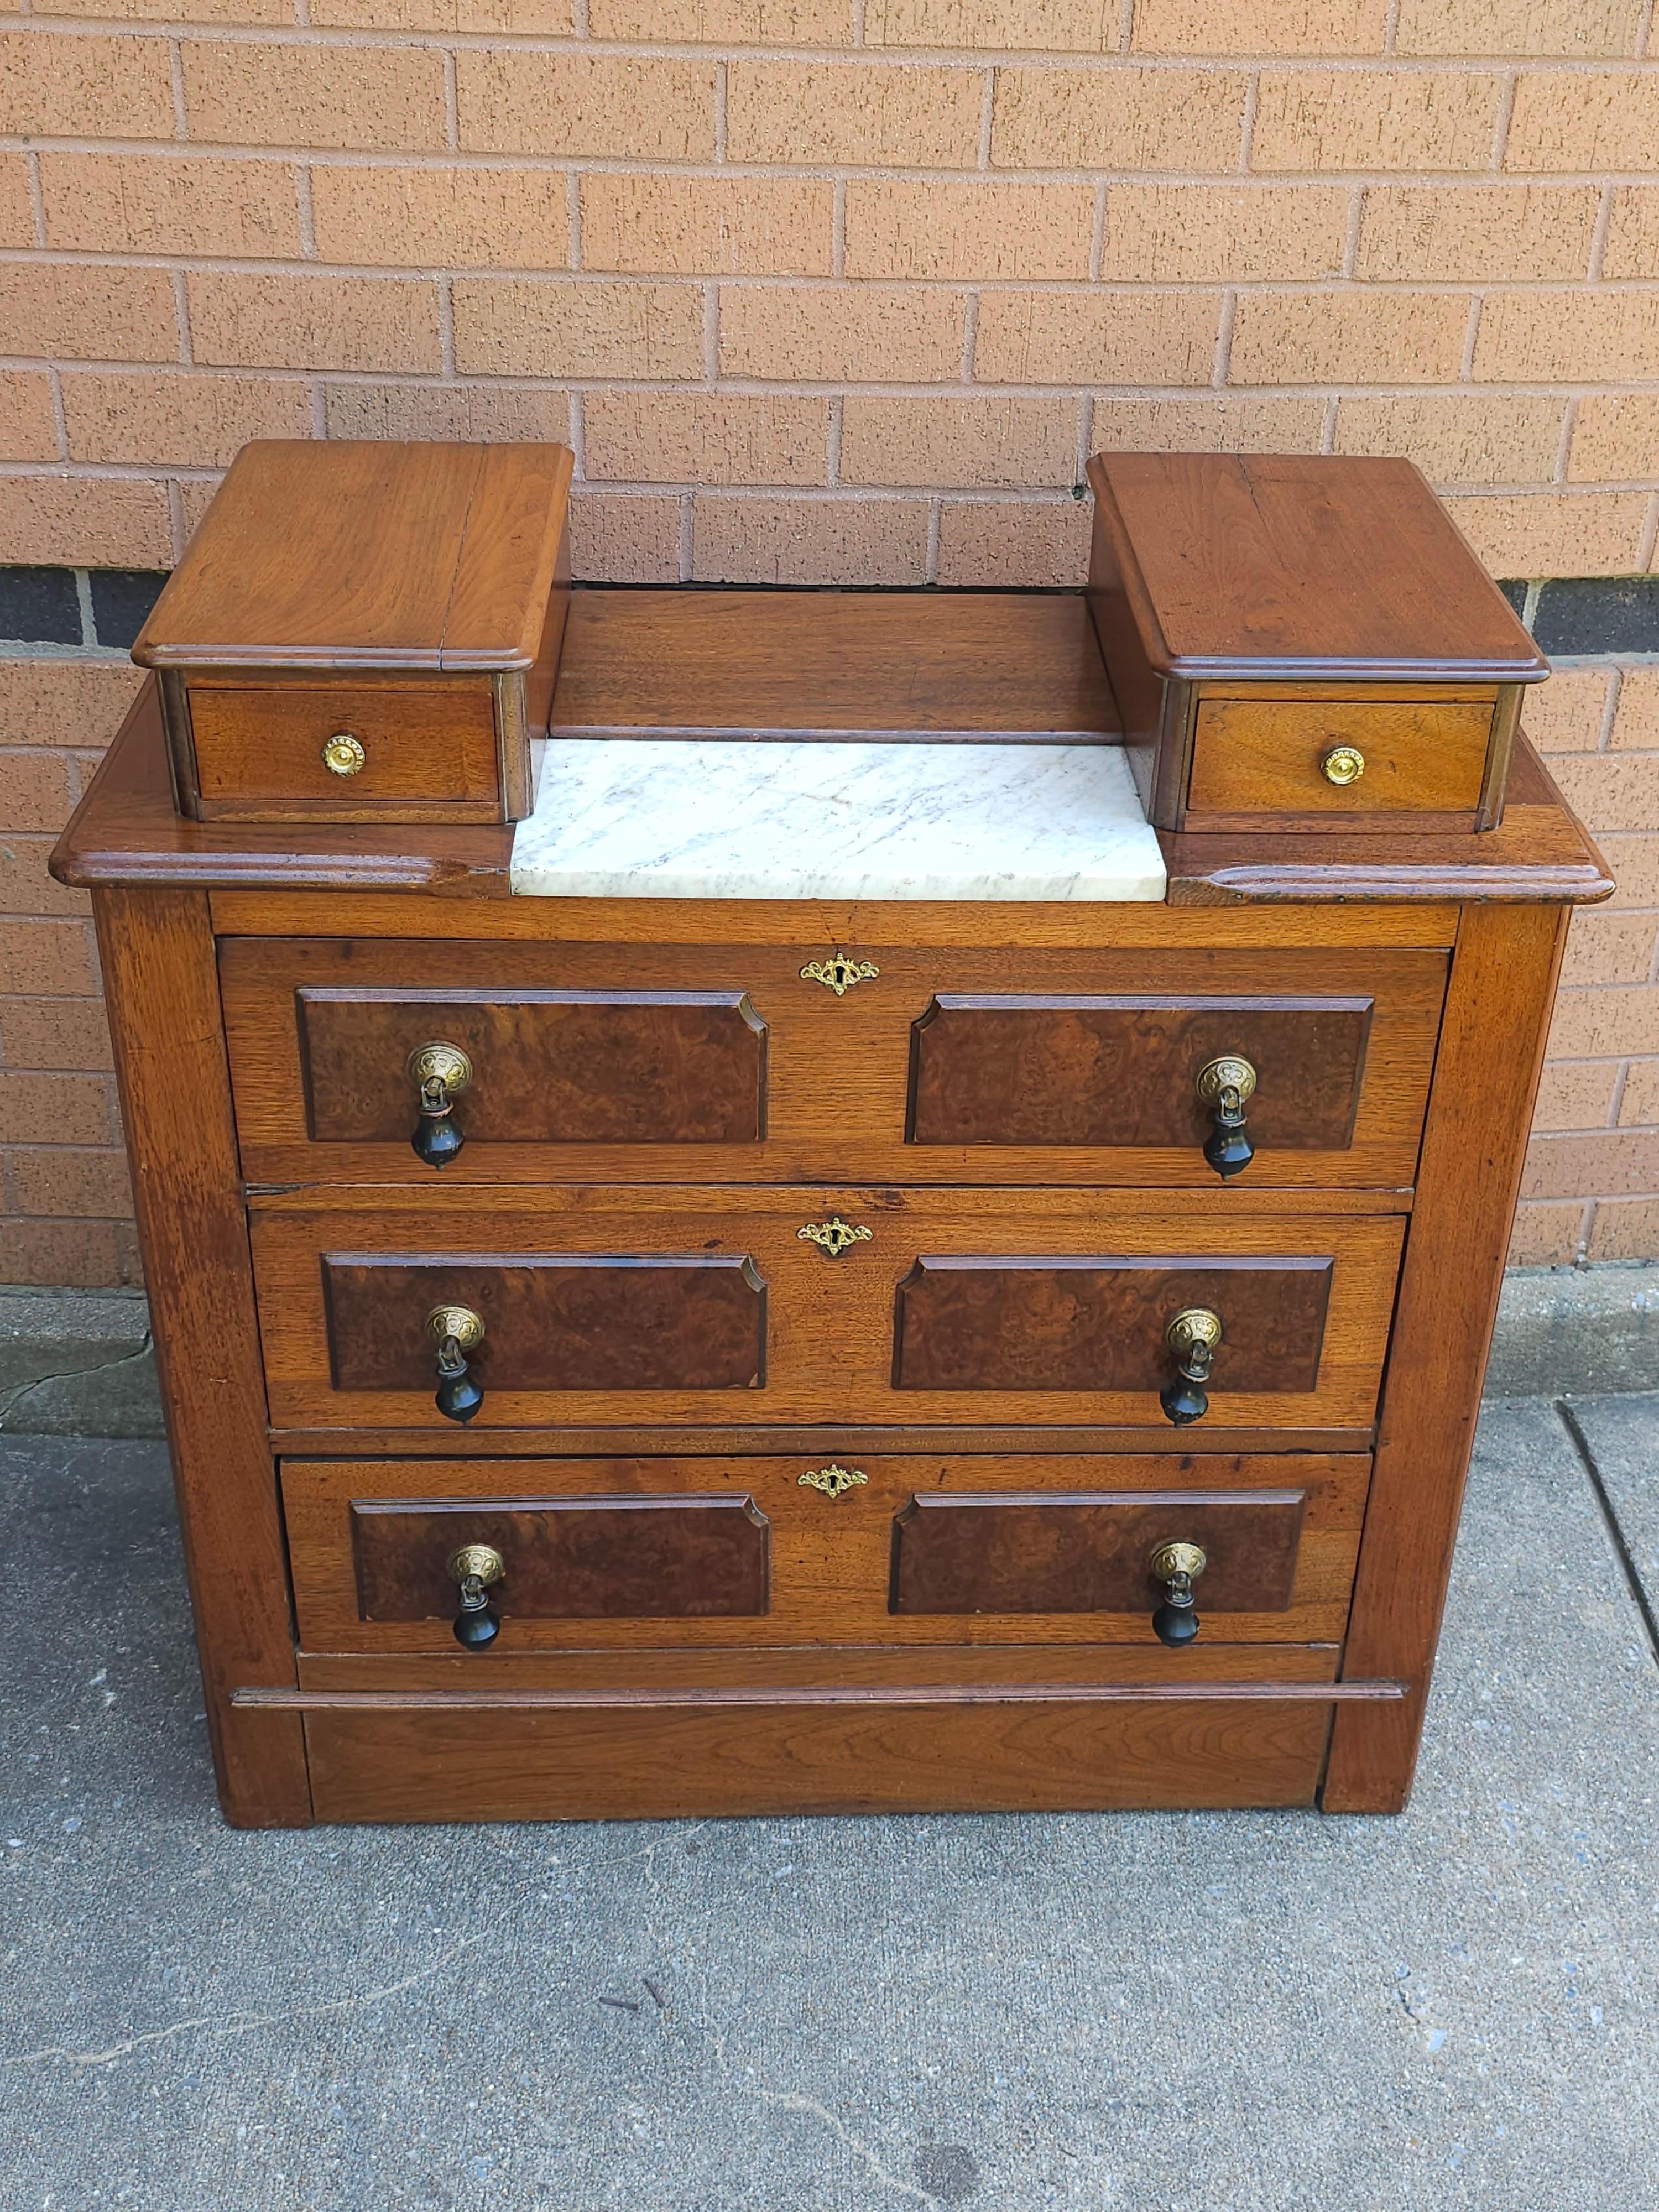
column 744, row 819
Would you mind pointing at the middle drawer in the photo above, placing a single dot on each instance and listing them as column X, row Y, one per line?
column 821, row 1306
column 729, row 1063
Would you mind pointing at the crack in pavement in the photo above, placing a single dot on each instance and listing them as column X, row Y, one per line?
column 238, row 2023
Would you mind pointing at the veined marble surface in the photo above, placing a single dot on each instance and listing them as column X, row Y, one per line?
column 746, row 818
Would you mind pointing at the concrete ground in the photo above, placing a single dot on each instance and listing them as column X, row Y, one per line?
column 1237, row 2013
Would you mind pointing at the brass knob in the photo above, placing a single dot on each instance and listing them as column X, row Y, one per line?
column 1177, row 1567
column 1192, row 1336
column 1224, row 1085
column 458, row 1324
column 343, row 753
column 438, row 1071
column 1342, row 764
column 474, row 1567
column 456, row 1330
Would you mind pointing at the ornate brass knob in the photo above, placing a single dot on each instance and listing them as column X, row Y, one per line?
column 1224, row 1085
column 456, row 1330
column 1342, row 764
column 438, row 1071
column 343, row 753
column 1192, row 1336
column 1177, row 1567
column 474, row 1567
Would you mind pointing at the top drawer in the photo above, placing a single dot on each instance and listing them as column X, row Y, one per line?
column 707, row 1064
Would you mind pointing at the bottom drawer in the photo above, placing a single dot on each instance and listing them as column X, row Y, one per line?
column 662, row 1760
column 889, row 1549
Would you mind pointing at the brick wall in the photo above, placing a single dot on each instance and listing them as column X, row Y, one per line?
column 828, row 289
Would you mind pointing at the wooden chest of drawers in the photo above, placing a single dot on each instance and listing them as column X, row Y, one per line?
column 825, row 1435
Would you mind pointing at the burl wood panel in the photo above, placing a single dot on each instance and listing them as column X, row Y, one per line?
column 1261, row 754
column 832, row 1558
column 560, row 1067
column 1095, row 1322
column 1009, row 1553
column 829, row 1323
column 1030, row 1070
column 837, row 1070
column 646, row 1764
column 634, row 1321
column 430, row 748
column 599, row 1559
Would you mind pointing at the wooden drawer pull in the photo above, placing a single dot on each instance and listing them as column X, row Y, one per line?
column 1192, row 1336
column 1224, row 1086
column 438, row 1071
column 476, row 1567
column 456, row 1330
column 1177, row 1567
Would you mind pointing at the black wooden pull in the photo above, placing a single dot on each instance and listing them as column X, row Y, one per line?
column 438, row 1071
column 1224, row 1086
column 455, row 1331
column 476, row 1567
column 1177, row 1567
column 1192, row 1336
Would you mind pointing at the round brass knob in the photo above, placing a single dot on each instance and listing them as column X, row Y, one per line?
column 1193, row 1327
column 1229, row 1073
column 446, row 1065
column 1188, row 1559
column 483, row 1562
column 460, row 1322
column 343, row 753
column 1342, row 765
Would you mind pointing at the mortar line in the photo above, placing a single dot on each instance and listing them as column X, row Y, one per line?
column 1574, row 1428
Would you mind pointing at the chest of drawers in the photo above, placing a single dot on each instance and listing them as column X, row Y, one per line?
column 798, row 1350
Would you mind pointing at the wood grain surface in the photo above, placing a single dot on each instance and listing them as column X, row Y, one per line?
column 1026, row 1066
column 832, row 1559
column 1260, row 756
column 1497, row 1011
column 585, row 1559
column 560, row 1067
column 860, row 1758
column 162, row 994
column 834, row 665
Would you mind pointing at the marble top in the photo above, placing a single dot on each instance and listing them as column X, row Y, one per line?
column 749, row 818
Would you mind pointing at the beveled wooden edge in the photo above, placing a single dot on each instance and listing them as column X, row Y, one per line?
column 874, row 1693
column 125, row 834
column 1196, row 667
column 790, row 1439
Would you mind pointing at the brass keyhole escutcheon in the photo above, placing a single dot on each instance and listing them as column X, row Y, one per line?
column 833, row 1481
column 343, row 753
column 835, row 1235
column 839, row 974
column 1342, row 765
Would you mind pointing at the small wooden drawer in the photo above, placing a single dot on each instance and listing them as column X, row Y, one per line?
column 625, row 1063
column 365, row 631
column 1331, row 756
column 676, row 1305
column 406, row 752
column 722, row 1551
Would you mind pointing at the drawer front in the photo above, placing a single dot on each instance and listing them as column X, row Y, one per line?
column 428, row 750
column 717, row 1551
column 1262, row 754
column 670, row 1762
column 618, row 1063
column 836, row 1305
